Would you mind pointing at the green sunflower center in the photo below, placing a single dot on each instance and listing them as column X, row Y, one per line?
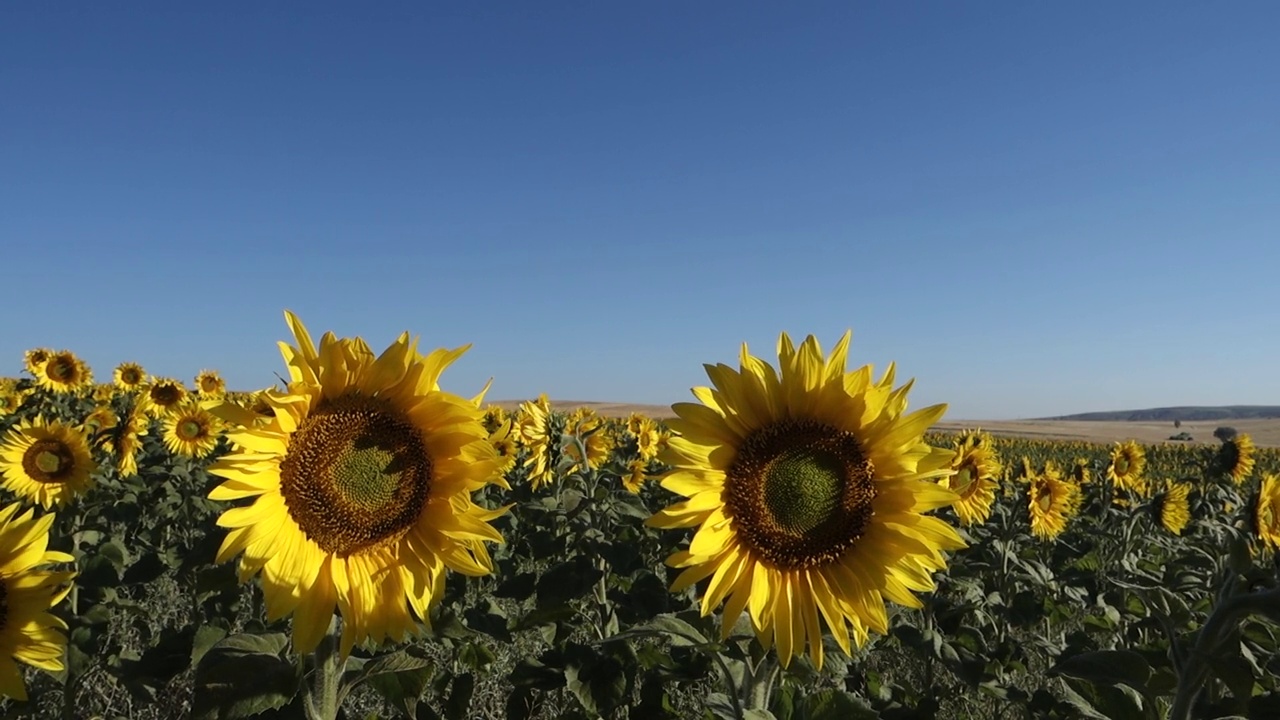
column 190, row 429
column 800, row 492
column 356, row 475
column 1122, row 465
column 48, row 461
column 962, row 481
column 1045, row 500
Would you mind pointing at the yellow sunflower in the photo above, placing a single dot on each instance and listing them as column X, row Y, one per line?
column 209, row 384
column 1266, row 512
column 64, row 372
column 361, row 486
column 162, row 396
column 494, row 418
column 1172, row 508
column 1235, row 457
column 594, row 436
column 100, row 420
column 129, row 376
column 191, row 431
column 504, row 443
column 1127, row 463
column 34, row 359
column 1080, row 472
column 1052, row 502
column 806, row 487
column 650, row 439
column 976, row 468
column 10, row 401
column 633, row 481
column 125, row 441
column 47, row 463
column 29, row 633
column 535, row 433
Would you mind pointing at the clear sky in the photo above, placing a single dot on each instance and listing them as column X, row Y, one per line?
column 1034, row 208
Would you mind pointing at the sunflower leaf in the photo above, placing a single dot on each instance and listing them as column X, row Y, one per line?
column 244, row 675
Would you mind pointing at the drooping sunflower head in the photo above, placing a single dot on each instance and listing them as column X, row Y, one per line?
column 190, row 430
column 129, row 376
column 29, row 633
column 46, row 462
column 100, row 420
column 1052, row 502
column 633, row 481
column 1172, row 507
column 806, row 486
column 1265, row 511
column 162, row 396
column 975, row 479
column 64, row 372
column 1236, row 457
column 1128, row 461
column 209, row 384
column 361, row 484
column 34, row 359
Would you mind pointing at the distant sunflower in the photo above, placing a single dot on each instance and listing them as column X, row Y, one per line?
column 1127, row 463
column 806, row 488
column 10, row 401
column 1265, row 515
column 29, row 633
column 1080, row 472
column 650, row 440
column 162, row 396
column 1236, row 457
column 34, row 359
column 594, row 436
column 1172, row 508
column 361, row 489
column 633, row 481
column 974, row 481
column 46, row 462
column 64, row 372
column 99, row 420
column 1052, row 502
column 129, row 376
column 494, row 418
column 191, row 431
column 504, row 443
column 209, row 384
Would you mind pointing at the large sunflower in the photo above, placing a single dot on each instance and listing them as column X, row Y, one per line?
column 129, row 376
column 1052, row 502
column 64, row 372
column 1172, row 508
column 1127, row 463
column 361, row 485
column 191, row 431
column 28, row 631
column 47, row 463
column 974, row 480
column 1235, row 457
column 806, row 487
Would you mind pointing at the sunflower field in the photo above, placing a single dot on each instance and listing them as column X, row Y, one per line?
column 359, row 542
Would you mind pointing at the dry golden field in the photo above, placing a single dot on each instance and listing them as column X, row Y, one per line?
column 1265, row 433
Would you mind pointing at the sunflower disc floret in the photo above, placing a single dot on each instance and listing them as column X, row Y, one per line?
column 806, row 486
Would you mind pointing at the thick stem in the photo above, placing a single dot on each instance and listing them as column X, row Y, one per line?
column 320, row 699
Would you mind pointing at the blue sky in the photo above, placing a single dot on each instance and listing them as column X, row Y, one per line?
column 1034, row 208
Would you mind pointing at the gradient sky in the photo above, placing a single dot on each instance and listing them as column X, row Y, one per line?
column 1034, row 208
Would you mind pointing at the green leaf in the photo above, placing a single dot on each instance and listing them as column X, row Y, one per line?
column 206, row 637
column 681, row 633
column 834, row 705
column 1107, row 667
column 458, row 706
column 147, row 568
column 244, row 675
column 567, row 581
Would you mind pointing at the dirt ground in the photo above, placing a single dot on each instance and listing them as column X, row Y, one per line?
column 1265, row 433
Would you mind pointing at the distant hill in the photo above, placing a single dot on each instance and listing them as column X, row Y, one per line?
column 1186, row 414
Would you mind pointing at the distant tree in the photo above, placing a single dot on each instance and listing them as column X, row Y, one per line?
column 1225, row 434
column 1177, row 423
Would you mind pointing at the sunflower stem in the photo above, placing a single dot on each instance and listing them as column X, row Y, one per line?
column 320, row 698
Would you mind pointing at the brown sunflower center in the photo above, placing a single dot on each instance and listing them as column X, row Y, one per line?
column 208, row 384
column 61, row 369
column 48, row 461
column 356, row 474
column 800, row 492
column 166, row 394
column 130, row 376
